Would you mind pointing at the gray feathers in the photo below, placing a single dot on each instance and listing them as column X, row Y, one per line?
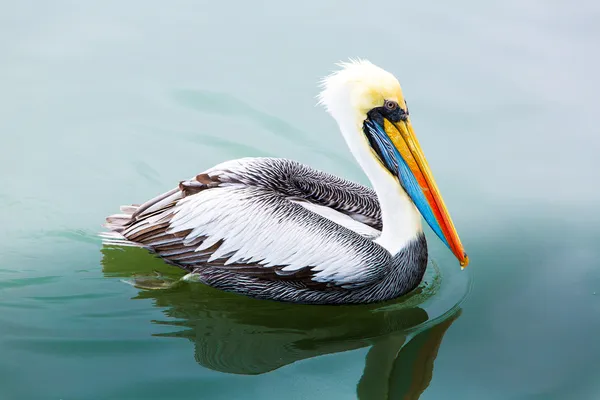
column 274, row 228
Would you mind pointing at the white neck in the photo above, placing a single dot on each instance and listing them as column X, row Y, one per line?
column 401, row 219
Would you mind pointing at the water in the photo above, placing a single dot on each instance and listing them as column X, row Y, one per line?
column 112, row 102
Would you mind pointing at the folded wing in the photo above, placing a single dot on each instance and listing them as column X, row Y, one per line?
column 256, row 217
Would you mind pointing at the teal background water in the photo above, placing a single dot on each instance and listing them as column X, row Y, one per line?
column 107, row 103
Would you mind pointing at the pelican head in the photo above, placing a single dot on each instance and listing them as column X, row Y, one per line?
column 368, row 105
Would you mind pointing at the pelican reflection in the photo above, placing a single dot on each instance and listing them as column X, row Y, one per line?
column 241, row 335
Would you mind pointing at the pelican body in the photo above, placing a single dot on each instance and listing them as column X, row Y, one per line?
column 273, row 228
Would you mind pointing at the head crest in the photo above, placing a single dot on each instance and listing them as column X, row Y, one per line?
column 360, row 82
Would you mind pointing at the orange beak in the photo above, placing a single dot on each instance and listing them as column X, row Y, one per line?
column 417, row 179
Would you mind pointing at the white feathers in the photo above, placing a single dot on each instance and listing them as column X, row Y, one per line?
column 341, row 219
column 337, row 80
column 360, row 85
column 115, row 238
column 255, row 225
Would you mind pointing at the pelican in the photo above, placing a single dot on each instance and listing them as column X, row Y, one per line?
column 273, row 228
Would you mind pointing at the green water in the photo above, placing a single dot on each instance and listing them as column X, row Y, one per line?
column 111, row 102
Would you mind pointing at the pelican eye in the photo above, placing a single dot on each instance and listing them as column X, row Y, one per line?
column 392, row 111
column 390, row 105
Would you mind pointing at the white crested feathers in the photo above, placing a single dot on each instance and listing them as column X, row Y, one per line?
column 359, row 85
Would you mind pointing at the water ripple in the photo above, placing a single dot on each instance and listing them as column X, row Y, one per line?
column 76, row 347
column 69, row 298
column 77, row 235
column 226, row 104
column 23, row 282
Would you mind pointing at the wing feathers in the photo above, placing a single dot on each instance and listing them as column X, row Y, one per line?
column 252, row 217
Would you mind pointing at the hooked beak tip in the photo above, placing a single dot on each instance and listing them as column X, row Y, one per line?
column 465, row 261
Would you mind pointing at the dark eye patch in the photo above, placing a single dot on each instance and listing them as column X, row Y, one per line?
column 390, row 111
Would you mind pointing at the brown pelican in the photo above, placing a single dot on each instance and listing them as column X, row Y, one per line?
column 275, row 229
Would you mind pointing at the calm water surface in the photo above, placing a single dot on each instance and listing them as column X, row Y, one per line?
column 112, row 102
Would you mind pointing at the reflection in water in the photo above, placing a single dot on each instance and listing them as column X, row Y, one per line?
column 240, row 335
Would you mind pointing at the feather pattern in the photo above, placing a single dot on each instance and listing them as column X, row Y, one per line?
column 274, row 228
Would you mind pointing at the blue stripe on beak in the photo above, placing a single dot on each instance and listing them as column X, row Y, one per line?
column 393, row 161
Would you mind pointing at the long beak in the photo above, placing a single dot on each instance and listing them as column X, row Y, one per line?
column 425, row 193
